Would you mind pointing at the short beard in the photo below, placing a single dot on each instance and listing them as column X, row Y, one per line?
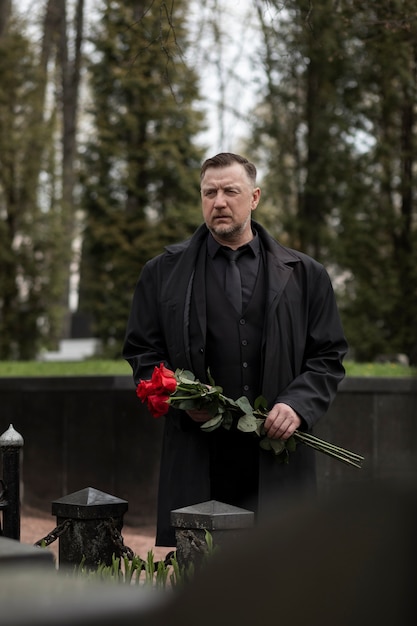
column 228, row 232
column 232, row 232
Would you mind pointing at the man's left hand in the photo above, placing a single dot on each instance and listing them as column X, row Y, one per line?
column 281, row 421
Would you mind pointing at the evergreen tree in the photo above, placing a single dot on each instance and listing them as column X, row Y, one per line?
column 29, row 225
column 140, row 167
column 378, row 226
column 301, row 122
column 336, row 137
column 36, row 178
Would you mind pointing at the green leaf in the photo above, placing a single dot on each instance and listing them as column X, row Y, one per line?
column 277, row 445
column 212, row 424
column 213, row 408
column 260, row 403
column 228, row 402
column 247, row 424
column 291, row 444
column 227, row 420
column 285, row 457
column 187, row 384
column 215, row 390
column 208, row 537
column 260, row 426
column 184, row 375
column 265, row 443
column 244, row 405
column 210, row 378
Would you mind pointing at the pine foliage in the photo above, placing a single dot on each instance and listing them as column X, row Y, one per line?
column 140, row 169
column 335, row 134
column 30, row 231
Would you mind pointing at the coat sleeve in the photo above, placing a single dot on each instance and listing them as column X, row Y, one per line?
column 313, row 389
column 144, row 346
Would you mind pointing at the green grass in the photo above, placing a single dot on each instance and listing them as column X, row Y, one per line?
column 101, row 367
column 89, row 367
column 391, row 370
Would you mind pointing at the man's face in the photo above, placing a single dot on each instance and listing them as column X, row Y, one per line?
column 228, row 199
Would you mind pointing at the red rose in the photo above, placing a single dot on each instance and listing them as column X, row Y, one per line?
column 164, row 379
column 156, row 391
column 158, row 405
column 144, row 388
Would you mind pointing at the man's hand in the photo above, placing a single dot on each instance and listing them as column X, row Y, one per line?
column 199, row 415
column 281, row 421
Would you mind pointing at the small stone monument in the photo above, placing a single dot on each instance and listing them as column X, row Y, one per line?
column 88, row 537
column 224, row 522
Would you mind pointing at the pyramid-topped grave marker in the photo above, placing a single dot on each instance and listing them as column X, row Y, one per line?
column 91, row 518
column 212, row 515
column 89, row 503
column 224, row 522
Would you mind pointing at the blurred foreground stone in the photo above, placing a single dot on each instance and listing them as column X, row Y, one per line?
column 36, row 597
column 346, row 560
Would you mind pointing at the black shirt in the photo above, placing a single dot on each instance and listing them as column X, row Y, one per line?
column 248, row 263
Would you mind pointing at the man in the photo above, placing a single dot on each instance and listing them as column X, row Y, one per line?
column 282, row 339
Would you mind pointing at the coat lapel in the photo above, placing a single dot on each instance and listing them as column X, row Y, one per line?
column 278, row 274
column 187, row 282
column 279, row 262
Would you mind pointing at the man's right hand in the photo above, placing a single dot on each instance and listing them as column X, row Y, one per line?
column 199, row 415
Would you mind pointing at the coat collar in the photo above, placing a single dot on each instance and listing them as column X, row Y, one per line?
column 283, row 255
column 280, row 262
column 279, row 266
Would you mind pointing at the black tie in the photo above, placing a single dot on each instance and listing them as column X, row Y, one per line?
column 233, row 282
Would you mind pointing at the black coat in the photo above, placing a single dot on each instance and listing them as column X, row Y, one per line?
column 303, row 349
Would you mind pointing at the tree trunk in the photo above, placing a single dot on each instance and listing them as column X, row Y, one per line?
column 70, row 82
column 5, row 10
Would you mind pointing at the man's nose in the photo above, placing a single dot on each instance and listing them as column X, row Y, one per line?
column 220, row 199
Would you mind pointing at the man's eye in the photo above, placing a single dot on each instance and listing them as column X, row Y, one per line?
column 210, row 193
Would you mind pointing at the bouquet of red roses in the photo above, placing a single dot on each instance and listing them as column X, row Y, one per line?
column 183, row 391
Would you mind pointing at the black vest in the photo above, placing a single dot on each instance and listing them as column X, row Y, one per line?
column 233, row 355
column 233, row 346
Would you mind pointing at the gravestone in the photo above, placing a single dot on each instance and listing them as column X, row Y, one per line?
column 224, row 522
column 93, row 516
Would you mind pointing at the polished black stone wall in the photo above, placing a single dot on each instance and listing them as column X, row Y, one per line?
column 94, row 432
